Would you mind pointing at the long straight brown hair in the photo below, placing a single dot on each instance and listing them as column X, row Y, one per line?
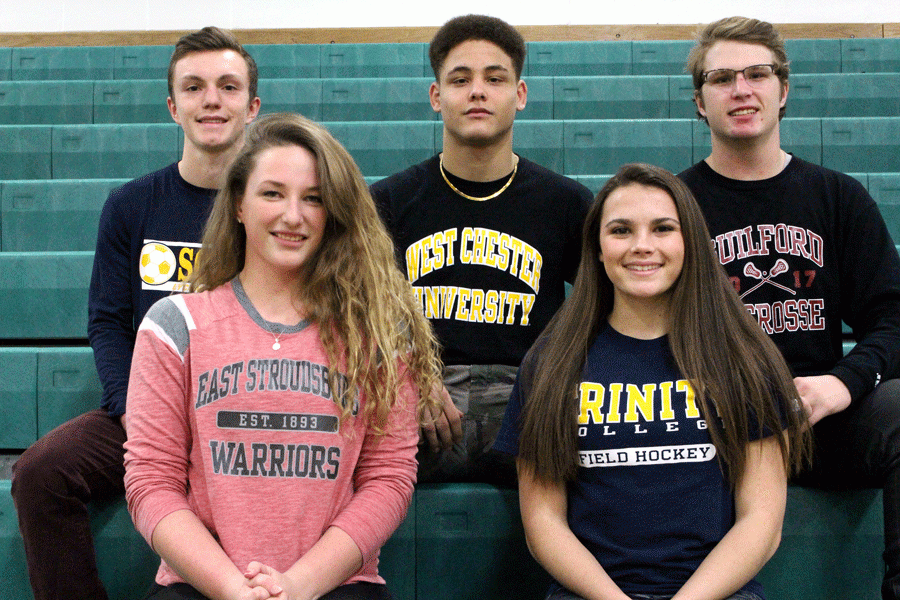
column 732, row 365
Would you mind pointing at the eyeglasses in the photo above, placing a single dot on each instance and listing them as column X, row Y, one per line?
column 754, row 75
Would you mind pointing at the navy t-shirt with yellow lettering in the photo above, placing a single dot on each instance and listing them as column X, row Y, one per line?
column 650, row 501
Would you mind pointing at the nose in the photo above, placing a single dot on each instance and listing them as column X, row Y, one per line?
column 642, row 243
column 477, row 90
column 211, row 96
column 740, row 86
column 293, row 212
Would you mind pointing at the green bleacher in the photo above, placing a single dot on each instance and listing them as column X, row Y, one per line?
column 575, row 58
column 569, row 97
column 76, row 122
column 465, row 542
column 588, row 146
column 52, row 215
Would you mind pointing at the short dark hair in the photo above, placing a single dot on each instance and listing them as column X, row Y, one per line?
column 476, row 27
column 738, row 29
column 205, row 40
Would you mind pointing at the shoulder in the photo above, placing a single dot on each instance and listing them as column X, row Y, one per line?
column 554, row 183
column 402, row 184
column 173, row 318
column 808, row 171
column 146, row 183
column 170, row 321
column 135, row 193
column 695, row 174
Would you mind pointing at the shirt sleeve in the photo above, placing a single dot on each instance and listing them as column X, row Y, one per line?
column 111, row 327
column 157, row 453
column 578, row 214
column 870, row 296
column 384, row 478
column 381, row 197
column 507, row 440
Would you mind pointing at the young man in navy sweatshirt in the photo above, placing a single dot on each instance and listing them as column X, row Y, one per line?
column 149, row 235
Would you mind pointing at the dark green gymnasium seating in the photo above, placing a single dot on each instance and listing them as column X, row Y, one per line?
column 57, row 215
column 46, row 102
column 578, row 58
column 74, row 62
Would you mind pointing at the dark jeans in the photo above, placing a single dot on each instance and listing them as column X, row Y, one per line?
column 860, row 448
column 350, row 591
column 80, row 461
column 564, row 594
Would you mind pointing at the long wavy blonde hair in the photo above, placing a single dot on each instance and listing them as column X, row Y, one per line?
column 363, row 306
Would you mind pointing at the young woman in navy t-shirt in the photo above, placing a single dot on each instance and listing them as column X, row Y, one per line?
column 655, row 424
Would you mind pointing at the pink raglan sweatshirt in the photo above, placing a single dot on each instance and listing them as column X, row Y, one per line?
column 247, row 438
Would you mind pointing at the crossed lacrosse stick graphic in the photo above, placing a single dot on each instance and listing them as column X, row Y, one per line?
column 780, row 267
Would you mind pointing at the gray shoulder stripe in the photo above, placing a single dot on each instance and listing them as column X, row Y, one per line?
column 170, row 319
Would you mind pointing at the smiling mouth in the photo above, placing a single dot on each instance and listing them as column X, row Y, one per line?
column 290, row 237
column 743, row 112
column 642, row 268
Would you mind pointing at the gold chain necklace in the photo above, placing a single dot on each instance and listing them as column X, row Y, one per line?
column 475, row 198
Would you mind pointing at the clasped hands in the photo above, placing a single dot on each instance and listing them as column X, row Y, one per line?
column 262, row 582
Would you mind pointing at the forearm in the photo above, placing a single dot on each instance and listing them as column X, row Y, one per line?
column 383, row 479
column 554, row 545
column 870, row 299
column 329, row 563
column 189, row 548
column 566, row 559
column 735, row 560
column 760, row 497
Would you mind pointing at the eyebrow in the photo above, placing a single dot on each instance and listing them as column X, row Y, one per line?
column 280, row 184
column 467, row 69
column 196, row 78
column 624, row 221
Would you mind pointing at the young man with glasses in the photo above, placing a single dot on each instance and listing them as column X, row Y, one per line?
column 806, row 248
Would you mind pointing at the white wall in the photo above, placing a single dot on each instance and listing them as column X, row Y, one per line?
column 127, row 15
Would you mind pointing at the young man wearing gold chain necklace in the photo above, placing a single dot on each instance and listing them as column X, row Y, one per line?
column 486, row 237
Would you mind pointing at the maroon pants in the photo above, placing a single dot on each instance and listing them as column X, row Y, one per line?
column 80, row 461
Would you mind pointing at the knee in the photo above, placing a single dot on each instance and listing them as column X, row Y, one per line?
column 885, row 403
column 884, row 417
column 36, row 474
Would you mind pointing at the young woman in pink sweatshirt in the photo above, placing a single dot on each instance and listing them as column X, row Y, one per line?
column 274, row 414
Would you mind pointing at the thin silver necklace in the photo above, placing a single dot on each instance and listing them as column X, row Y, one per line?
column 277, row 337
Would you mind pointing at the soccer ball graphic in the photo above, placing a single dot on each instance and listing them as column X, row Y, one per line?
column 157, row 263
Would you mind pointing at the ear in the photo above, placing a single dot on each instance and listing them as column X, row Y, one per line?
column 173, row 110
column 254, row 109
column 698, row 100
column 521, row 95
column 784, row 92
column 434, row 94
